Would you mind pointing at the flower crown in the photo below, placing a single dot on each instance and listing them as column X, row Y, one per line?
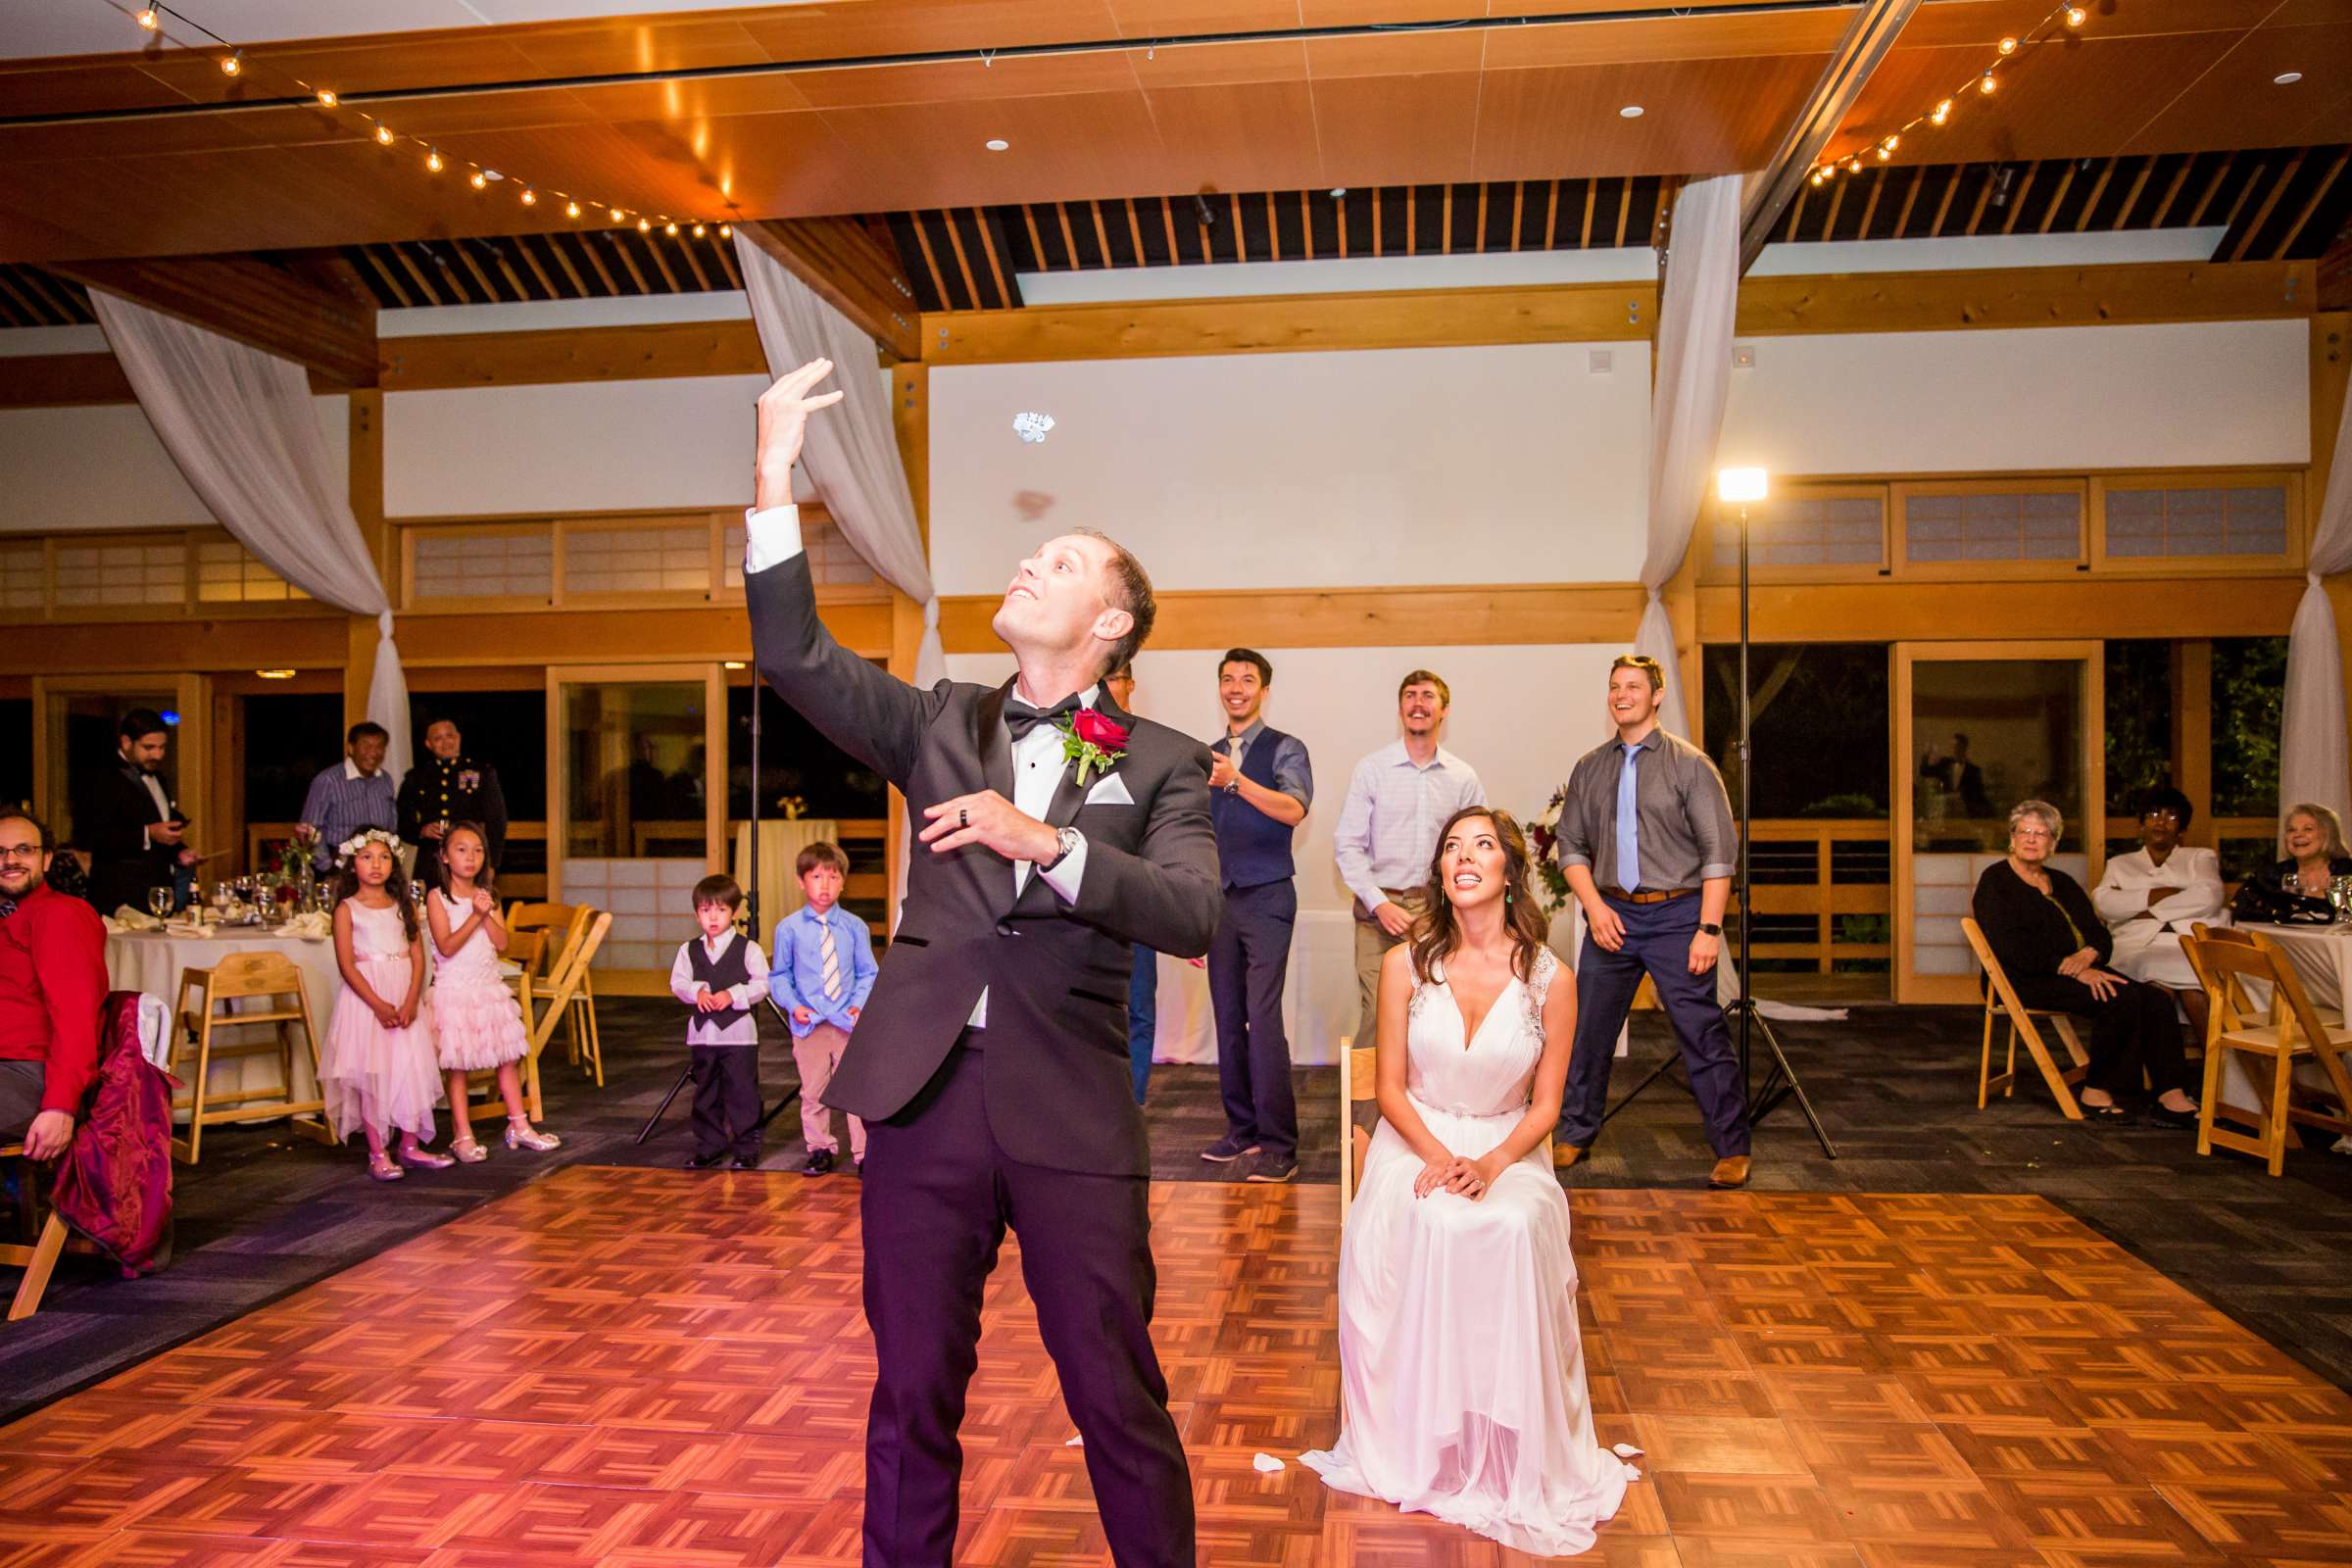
column 349, row 849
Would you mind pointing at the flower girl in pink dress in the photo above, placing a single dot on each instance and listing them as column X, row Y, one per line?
column 378, row 1068
column 477, row 1024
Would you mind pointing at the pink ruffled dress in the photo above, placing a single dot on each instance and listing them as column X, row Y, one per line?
column 477, row 1024
column 370, row 1075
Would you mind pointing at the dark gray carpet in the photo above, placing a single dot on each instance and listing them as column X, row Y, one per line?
column 263, row 1216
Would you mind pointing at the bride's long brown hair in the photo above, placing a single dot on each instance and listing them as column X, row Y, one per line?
column 1437, row 931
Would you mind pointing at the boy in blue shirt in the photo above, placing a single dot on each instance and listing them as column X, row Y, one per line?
column 824, row 971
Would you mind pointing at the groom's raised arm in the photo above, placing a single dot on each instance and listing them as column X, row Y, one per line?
column 868, row 713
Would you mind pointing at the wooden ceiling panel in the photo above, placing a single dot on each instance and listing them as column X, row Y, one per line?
column 1701, row 116
column 348, row 66
column 1084, row 143
column 1241, row 137
column 1156, row 19
column 851, row 31
column 2238, row 87
column 971, row 80
column 663, row 43
column 48, row 86
column 1808, row 33
column 1402, row 54
column 1221, row 65
column 1374, row 129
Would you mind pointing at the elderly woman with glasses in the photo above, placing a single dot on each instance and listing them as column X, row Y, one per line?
column 2055, row 949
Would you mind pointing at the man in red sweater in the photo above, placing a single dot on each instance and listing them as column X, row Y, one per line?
column 52, row 983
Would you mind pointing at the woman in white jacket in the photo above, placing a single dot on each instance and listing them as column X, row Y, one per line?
column 2151, row 897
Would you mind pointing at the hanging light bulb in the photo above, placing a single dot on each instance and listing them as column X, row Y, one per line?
column 2008, row 46
column 2075, row 15
column 1889, row 145
column 150, row 19
column 671, row 229
column 645, row 226
column 530, row 197
column 1819, row 176
column 231, row 64
column 479, row 181
column 1853, row 166
column 619, row 217
column 433, row 160
column 327, row 98
column 699, row 229
column 571, row 209
column 1986, row 83
column 383, row 135
column 1884, row 155
column 1942, row 113
column 726, row 231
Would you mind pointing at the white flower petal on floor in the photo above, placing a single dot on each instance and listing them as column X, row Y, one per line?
column 1267, row 1464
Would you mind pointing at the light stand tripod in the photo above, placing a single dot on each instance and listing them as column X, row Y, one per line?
column 751, row 915
column 1780, row 1081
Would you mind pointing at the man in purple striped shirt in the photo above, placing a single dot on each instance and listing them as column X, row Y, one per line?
column 355, row 794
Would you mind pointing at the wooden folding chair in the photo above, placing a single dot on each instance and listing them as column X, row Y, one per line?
column 1356, row 1085
column 557, row 992
column 563, row 923
column 525, row 949
column 2000, row 998
column 2293, row 1031
column 271, row 978
column 40, row 1259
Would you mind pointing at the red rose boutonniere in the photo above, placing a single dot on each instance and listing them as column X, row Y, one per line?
column 1092, row 741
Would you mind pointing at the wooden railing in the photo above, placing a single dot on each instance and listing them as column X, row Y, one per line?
column 1779, row 855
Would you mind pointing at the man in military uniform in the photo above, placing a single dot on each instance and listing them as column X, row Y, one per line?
column 447, row 786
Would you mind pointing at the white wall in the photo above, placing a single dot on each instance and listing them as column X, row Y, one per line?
column 2087, row 397
column 1521, row 717
column 1476, row 465
column 64, row 469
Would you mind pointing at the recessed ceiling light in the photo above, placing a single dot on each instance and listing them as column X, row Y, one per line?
column 997, row 144
column 1630, row 112
column 2287, row 78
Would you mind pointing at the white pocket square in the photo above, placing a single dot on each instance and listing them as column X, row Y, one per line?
column 1109, row 790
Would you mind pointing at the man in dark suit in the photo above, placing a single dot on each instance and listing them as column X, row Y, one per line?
column 990, row 1064
column 129, row 822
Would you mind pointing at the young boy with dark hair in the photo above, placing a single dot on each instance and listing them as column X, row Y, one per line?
column 722, row 977
column 824, row 972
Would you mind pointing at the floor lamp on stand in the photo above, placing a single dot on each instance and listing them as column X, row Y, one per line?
column 1741, row 487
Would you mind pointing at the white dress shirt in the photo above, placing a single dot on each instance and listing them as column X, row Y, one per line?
column 772, row 537
column 162, row 804
column 2150, row 949
column 683, row 985
column 1388, row 825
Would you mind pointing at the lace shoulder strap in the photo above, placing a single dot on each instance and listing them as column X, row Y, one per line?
column 1538, row 986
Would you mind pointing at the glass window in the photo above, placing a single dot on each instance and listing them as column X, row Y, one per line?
column 1993, row 525
column 796, row 763
column 636, row 560
column 1801, row 530
column 226, row 573
column 15, row 751
column 289, row 737
column 1823, row 704
column 23, row 577
column 2140, row 720
column 457, row 563
column 84, row 749
column 2213, row 520
column 134, row 572
column 635, row 770
column 2249, row 682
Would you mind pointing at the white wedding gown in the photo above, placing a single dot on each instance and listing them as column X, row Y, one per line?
column 1461, row 1367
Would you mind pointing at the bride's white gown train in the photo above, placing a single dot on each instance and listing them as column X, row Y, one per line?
column 1462, row 1368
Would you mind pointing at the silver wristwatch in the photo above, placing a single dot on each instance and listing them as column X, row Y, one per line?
column 1069, row 838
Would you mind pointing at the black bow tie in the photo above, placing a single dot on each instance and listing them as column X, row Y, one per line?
column 1021, row 718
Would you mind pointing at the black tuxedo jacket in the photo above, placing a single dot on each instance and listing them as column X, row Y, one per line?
column 1060, row 1087
column 111, row 821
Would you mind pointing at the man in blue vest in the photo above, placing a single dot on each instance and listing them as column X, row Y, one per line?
column 1260, row 786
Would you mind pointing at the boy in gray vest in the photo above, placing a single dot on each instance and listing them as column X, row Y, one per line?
column 721, row 975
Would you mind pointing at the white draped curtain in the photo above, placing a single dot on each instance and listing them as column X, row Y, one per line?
column 243, row 430
column 851, row 450
column 1694, row 378
column 2313, row 765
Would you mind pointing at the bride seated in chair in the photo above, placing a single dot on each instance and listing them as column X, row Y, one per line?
column 1461, row 1363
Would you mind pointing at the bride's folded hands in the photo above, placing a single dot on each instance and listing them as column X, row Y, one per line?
column 1435, row 1173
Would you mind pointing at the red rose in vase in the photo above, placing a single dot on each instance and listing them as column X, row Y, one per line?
column 1096, row 730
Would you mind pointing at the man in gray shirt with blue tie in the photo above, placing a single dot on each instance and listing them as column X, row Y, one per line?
column 1647, row 844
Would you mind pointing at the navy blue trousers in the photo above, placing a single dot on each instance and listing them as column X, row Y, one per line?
column 1657, row 943
column 1143, row 1016
column 1248, row 960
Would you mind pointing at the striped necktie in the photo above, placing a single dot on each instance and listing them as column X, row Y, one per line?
column 831, row 960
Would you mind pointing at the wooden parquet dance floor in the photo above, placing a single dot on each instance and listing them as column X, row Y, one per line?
column 664, row 1370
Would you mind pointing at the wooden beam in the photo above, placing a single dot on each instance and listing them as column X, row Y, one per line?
column 1577, row 313
column 268, row 308
column 591, row 353
column 1867, row 39
column 2027, row 296
column 63, row 381
column 1911, row 610
column 1351, row 618
column 849, row 269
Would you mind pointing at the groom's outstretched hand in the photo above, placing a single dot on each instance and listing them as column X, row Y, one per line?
column 989, row 819
column 784, row 410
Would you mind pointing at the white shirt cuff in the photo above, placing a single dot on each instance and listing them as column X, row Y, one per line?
column 770, row 537
column 1068, row 872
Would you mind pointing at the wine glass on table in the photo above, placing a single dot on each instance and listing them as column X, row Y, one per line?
column 160, row 901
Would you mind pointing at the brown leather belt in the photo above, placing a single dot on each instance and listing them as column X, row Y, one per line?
column 1665, row 897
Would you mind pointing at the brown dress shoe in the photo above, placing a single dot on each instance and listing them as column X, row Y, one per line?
column 1729, row 1171
column 1565, row 1156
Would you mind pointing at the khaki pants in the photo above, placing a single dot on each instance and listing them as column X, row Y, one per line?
column 817, row 1056
column 1372, row 945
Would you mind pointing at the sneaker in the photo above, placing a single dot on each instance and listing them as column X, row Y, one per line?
column 1275, row 1170
column 1228, row 1148
column 821, row 1162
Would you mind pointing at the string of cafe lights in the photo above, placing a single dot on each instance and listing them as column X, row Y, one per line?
column 577, row 206
column 2064, row 21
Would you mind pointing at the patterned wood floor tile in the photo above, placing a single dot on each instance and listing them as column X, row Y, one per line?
column 650, row 1370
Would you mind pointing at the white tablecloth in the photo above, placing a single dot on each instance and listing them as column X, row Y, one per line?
column 152, row 962
column 2323, row 959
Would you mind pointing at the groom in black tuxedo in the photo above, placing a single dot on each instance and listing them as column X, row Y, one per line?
column 990, row 1064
